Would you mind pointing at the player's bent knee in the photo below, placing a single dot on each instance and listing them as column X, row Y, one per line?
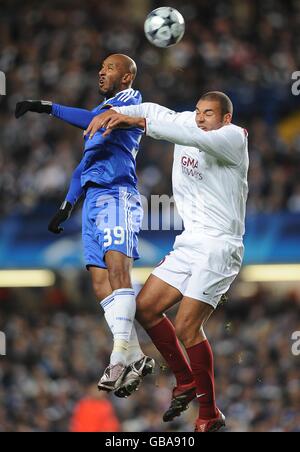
column 146, row 312
column 143, row 315
column 100, row 291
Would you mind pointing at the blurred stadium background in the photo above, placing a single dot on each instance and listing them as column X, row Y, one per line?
column 57, row 341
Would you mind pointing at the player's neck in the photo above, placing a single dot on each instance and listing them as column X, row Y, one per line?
column 114, row 94
column 123, row 88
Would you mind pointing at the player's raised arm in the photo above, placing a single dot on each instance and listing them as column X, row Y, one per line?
column 77, row 117
column 147, row 109
column 227, row 144
column 119, row 121
column 36, row 106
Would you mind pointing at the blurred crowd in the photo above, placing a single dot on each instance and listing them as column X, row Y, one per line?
column 57, row 348
column 53, row 50
column 57, row 340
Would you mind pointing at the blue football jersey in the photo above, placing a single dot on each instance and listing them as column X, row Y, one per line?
column 111, row 162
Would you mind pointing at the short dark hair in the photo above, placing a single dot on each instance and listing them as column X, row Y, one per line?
column 222, row 98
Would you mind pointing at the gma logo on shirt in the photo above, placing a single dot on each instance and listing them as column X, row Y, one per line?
column 2, row 84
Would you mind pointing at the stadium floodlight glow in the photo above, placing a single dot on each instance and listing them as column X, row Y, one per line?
column 271, row 273
column 26, row 278
column 250, row 273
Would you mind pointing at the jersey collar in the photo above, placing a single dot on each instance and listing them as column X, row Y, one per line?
column 120, row 92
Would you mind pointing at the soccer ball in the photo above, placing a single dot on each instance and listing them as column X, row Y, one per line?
column 164, row 27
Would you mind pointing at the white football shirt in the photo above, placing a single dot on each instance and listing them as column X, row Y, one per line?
column 209, row 172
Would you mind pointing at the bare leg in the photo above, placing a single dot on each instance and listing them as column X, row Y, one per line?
column 101, row 284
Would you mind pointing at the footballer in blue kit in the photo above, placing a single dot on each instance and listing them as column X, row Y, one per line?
column 106, row 176
column 111, row 218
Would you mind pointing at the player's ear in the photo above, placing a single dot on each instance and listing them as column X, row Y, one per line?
column 228, row 118
column 128, row 78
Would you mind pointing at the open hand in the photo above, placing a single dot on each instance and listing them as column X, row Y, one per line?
column 120, row 121
column 99, row 122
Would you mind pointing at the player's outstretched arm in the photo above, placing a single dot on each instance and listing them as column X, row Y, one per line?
column 77, row 117
column 119, row 121
column 37, row 106
column 111, row 120
column 99, row 122
column 74, row 194
column 149, row 110
column 227, row 144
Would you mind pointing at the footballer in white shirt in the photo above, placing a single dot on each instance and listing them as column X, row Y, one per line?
column 210, row 190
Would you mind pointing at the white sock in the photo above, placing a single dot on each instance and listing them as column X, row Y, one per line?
column 108, row 307
column 134, row 349
column 124, row 314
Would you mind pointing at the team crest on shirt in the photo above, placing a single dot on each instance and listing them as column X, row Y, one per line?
column 190, row 167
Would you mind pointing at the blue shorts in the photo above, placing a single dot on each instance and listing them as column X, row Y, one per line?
column 111, row 221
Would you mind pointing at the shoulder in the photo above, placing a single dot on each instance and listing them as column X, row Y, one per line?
column 98, row 108
column 235, row 132
column 233, row 128
column 125, row 98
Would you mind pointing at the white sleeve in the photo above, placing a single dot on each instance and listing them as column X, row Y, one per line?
column 151, row 111
column 227, row 144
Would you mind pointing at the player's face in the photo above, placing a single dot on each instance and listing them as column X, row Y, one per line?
column 209, row 115
column 110, row 77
